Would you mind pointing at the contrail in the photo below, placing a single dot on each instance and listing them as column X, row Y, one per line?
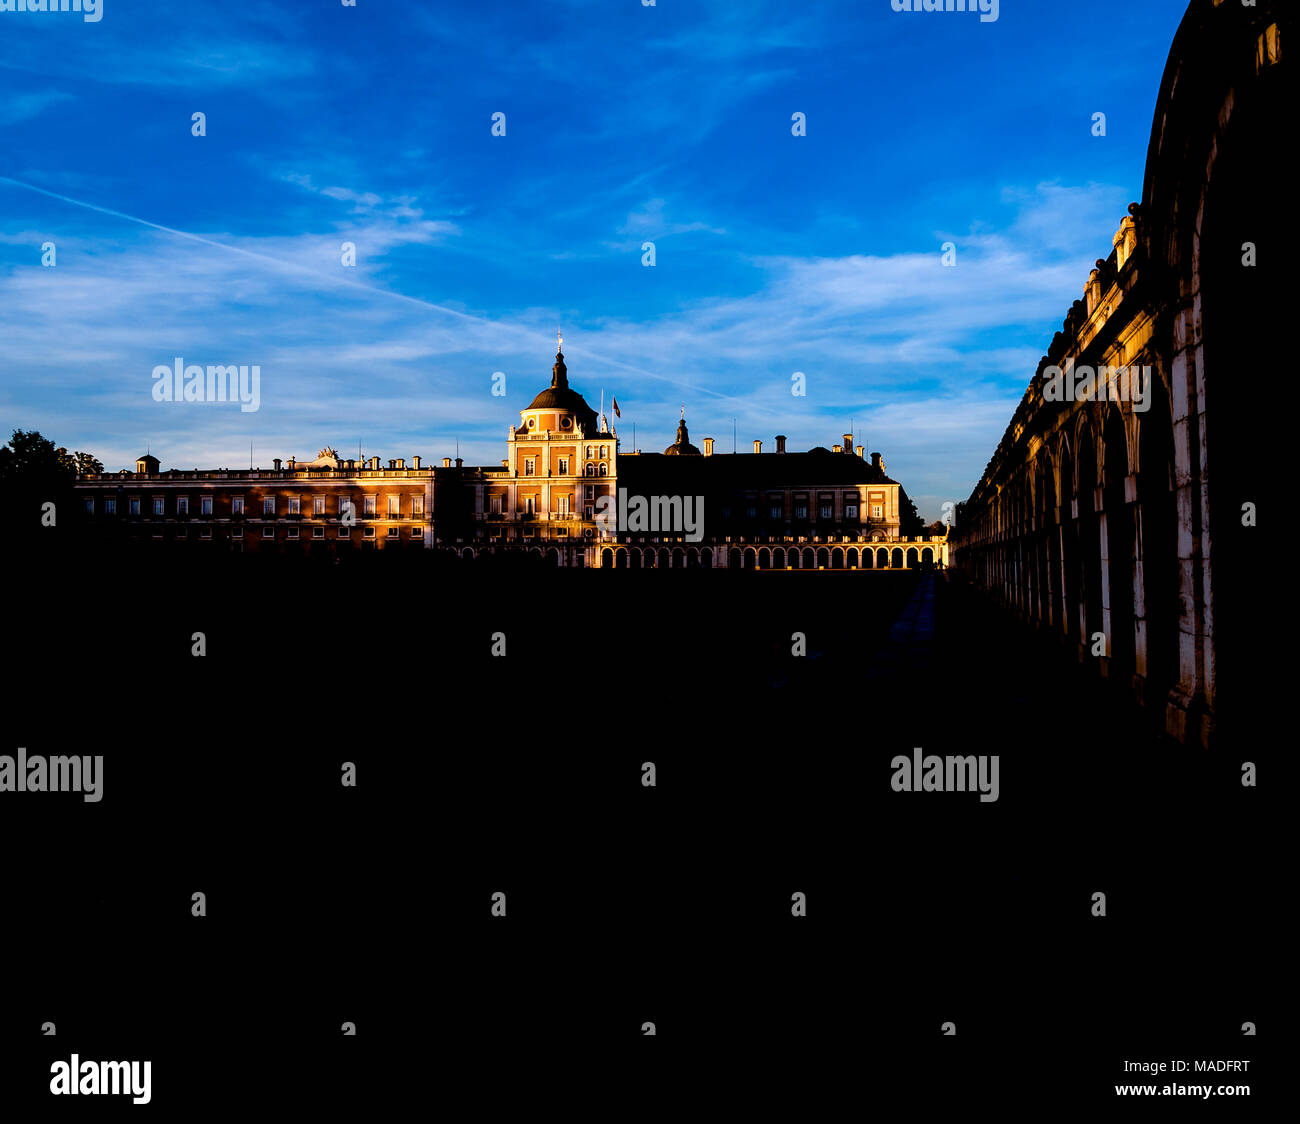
column 335, row 280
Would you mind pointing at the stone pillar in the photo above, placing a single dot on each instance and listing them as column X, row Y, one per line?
column 1195, row 689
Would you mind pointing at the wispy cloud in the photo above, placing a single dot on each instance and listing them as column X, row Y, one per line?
column 24, row 107
column 627, row 124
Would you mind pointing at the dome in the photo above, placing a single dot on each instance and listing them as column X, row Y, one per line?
column 682, row 446
column 560, row 396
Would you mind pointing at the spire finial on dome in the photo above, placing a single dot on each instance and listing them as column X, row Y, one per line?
column 559, row 372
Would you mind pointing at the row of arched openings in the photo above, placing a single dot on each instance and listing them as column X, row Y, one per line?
column 764, row 558
column 1109, row 565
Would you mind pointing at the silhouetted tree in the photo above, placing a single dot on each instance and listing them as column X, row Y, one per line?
column 910, row 522
column 83, row 463
column 33, row 473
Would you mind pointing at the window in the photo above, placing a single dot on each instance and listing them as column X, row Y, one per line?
column 110, row 506
column 591, row 470
column 236, row 505
column 205, row 505
column 604, row 452
column 775, row 511
column 826, row 511
column 850, row 510
column 268, row 505
column 801, row 511
column 877, row 511
column 564, row 466
column 90, row 507
column 532, row 422
column 494, row 505
column 604, row 470
column 318, row 532
column 182, row 505
column 292, row 532
column 564, row 505
column 236, row 532
column 205, row 532
column 368, row 505
column 591, row 491
column 530, row 467
column 268, row 532
column 294, row 509
column 530, row 505
column 417, row 505
column 345, row 533
column 589, row 512
column 565, row 422
column 393, row 532
column 369, row 533
column 589, row 452
column 157, row 505
column 394, row 505
column 751, row 511
column 318, row 505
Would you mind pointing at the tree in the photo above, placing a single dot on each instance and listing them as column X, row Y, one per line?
column 910, row 523
column 30, row 460
column 33, row 473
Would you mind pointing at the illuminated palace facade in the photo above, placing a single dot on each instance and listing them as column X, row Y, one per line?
column 824, row 509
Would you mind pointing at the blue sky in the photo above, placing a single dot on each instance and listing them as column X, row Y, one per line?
column 624, row 124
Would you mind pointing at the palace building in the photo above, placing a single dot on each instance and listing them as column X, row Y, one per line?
column 1125, row 526
column 554, row 493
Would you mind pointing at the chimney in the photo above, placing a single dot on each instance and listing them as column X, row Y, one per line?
column 708, row 446
column 392, row 463
column 848, row 443
column 780, row 442
column 276, row 462
column 374, row 463
column 293, row 462
column 758, row 446
column 415, row 462
column 459, row 461
column 401, row 462
column 446, row 462
column 505, row 462
column 875, row 462
column 837, row 448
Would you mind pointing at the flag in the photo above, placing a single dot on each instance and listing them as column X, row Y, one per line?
column 617, row 414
